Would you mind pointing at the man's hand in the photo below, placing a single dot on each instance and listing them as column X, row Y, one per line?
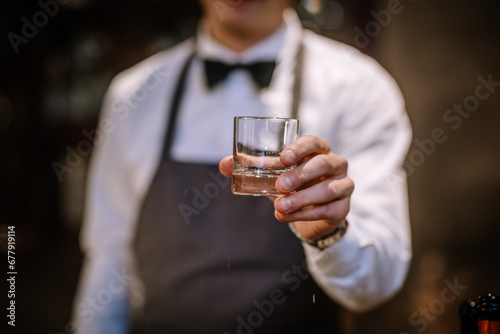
column 316, row 194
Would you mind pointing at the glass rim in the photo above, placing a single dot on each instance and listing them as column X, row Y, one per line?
column 266, row 118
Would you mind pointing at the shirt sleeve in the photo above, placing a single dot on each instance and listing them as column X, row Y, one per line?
column 369, row 264
column 102, row 302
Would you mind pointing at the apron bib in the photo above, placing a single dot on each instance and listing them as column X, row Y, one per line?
column 214, row 262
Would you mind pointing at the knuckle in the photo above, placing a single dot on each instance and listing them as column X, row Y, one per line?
column 350, row 184
column 334, row 212
column 327, row 211
column 332, row 190
column 299, row 199
column 325, row 164
column 282, row 217
column 324, row 160
column 308, row 137
column 302, row 142
column 325, row 145
column 343, row 164
column 332, row 164
column 344, row 209
column 300, row 175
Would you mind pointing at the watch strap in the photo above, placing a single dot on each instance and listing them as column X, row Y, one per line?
column 326, row 241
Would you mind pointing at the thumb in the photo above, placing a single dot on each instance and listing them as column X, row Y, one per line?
column 226, row 166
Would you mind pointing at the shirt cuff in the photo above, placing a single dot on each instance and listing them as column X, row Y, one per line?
column 341, row 258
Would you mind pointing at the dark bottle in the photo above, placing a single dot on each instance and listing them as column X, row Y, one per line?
column 468, row 313
column 489, row 314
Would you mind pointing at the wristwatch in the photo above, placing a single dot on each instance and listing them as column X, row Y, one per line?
column 325, row 241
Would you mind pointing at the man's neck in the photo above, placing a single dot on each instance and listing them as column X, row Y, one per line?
column 240, row 41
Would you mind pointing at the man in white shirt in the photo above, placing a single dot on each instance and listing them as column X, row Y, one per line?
column 160, row 213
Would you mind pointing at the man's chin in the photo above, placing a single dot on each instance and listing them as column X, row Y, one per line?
column 239, row 26
column 246, row 17
column 247, row 13
column 235, row 5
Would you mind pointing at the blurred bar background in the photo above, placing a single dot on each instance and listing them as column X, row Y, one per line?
column 53, row 76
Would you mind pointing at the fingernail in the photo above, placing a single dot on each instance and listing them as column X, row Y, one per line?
column 285, row 183
column 288, row 157
column 284, row 204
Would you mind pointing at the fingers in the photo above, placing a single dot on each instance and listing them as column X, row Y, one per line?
column 318, row 188
column 324, row 200
column 226, row 166
column 303, row 147
column 317, row 192
column 317, row 168
column 332, row 212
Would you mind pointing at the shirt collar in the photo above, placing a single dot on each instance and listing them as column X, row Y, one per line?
column 274, row 47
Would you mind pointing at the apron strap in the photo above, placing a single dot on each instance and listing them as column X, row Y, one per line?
column 175, row 105
column 297, row 84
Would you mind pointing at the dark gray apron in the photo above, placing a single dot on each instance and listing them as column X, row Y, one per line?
column 213, row 262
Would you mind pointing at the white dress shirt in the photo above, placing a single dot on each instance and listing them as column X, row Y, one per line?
column 347, row 99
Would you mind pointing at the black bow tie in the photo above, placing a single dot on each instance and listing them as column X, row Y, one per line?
column 262, row 72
